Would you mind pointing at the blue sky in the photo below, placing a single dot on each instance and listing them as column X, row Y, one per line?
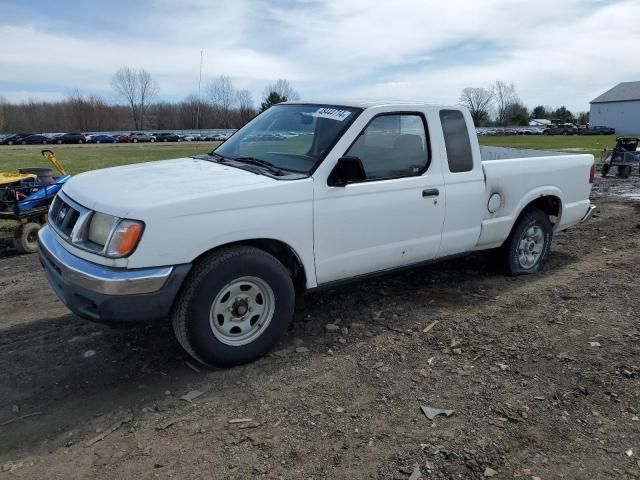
column 554, row 51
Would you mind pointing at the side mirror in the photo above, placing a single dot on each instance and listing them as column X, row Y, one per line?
column 347, row 170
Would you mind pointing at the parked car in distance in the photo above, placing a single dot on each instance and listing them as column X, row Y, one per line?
column 69, row 138
column 192, row 137
column 214, row 137
column 122, row 138
column 16, row 139
column 99, row 138
column 167, row 137
column 597, row 130
column 35, row 140
column 563, row 129
column 135, row 137
column 223, row 243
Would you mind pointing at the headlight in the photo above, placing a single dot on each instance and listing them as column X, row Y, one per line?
column 125, row 238
column 117, row 237
column 100, row 228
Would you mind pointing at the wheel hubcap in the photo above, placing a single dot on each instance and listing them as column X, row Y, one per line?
column 242, row 311
column 530, row 247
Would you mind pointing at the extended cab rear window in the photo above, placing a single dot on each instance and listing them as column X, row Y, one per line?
column 456, row 139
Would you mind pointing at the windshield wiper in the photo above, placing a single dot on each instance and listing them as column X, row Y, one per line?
column 263, row 163
column 219, row 158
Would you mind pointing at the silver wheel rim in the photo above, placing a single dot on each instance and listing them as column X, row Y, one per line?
column 242, row 311
column 530, row 247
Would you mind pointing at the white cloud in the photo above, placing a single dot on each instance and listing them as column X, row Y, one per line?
column 555, row 51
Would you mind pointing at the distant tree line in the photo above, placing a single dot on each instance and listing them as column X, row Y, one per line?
column 499, row 105
column 219, row 105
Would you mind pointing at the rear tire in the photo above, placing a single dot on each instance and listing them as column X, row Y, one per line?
column 624, row 171
column 26, row 240
column 234, row 306
column 528, row 246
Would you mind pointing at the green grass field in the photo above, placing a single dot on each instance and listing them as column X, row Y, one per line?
column 80, row 158
column 592, row 144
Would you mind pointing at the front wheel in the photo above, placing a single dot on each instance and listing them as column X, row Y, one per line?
column 529, row 244
column 235, row 305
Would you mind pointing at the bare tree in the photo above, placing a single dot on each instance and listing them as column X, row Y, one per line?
column 3, row 113
column 125, row 83
column 478, row 101
column 138, row 88
column 283, row 89
column 222, row 96
column 245, row 105
column 147, row 89
column 504, row 95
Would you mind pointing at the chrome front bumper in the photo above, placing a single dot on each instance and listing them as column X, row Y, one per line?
column 589, row 214
column 104, row 294
column 97, row 278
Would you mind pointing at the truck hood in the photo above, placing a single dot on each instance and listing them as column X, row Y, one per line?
column 130, row 191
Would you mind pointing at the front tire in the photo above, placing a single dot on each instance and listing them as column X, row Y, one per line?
column 235, row 305
column 529, row 244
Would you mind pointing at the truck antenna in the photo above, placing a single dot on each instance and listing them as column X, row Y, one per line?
column 199, row 102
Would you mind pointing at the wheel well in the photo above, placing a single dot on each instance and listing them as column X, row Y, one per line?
column 549, row 204
column 280, row 250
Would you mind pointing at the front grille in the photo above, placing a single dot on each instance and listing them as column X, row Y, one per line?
column 63, row 217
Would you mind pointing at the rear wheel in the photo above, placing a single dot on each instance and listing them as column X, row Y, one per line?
column 624, row 171
column 26, row 240
column 528, row 246
column 234, row 307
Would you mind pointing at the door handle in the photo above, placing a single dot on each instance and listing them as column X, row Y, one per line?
column 430, row 192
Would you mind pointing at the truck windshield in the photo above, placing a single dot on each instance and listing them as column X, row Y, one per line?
column 290, row 137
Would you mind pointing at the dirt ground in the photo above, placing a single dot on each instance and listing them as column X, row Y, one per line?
column 543, row 373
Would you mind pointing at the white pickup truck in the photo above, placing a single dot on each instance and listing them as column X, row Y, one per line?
column 306, row 195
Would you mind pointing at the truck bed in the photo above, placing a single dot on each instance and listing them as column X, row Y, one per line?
column 520, row 176
column 488, row 153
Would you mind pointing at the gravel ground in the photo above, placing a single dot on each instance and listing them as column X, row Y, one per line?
column 542, row 372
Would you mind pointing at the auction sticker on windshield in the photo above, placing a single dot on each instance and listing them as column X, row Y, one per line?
column 332, row 114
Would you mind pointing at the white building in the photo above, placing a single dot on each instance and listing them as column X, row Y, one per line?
column 618, row 108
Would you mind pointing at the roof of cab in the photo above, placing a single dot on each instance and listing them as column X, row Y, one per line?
column 361, row 103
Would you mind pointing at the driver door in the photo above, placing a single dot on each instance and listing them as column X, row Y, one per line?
column 391, row 219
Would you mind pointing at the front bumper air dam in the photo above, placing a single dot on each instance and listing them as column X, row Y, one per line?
column 104, row 294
